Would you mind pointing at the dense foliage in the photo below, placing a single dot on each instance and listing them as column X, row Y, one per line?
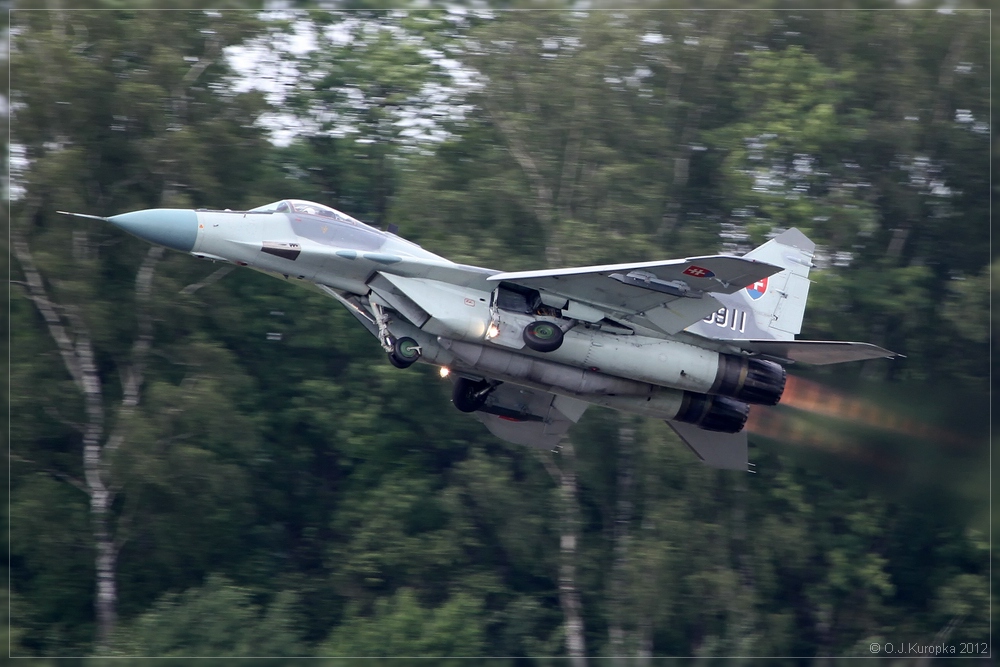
column 294, row 494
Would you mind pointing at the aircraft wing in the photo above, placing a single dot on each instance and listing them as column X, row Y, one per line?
column 528, row 416
column 665, row 295
column 815, row 352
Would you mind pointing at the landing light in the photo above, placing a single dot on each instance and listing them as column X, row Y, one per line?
column 492, row 332
column 444, row 371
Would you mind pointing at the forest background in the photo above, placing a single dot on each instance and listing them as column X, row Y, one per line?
column 206, row 461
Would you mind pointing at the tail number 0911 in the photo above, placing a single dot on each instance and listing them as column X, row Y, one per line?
column 729, row 318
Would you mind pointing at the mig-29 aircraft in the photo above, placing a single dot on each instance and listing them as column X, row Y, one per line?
column 693, row 341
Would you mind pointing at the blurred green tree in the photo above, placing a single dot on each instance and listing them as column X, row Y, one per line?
column 217, row 619
column 112, row 110
column 401, row 627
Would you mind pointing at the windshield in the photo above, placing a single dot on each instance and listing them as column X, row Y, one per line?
column 272, row 207
column 307, row 207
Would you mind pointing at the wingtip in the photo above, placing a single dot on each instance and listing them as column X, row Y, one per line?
column 889, row 354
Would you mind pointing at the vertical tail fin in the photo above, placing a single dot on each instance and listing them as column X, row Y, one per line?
column 771, row 308
column 779, row 302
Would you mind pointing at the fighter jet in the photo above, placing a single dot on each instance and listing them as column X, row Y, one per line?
column 693, row 341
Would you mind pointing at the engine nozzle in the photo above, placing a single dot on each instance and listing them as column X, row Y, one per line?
column 713, row 413
column 749, row 380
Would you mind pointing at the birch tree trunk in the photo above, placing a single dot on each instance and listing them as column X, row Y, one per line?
column 620, row 541
column 569, row 530
column 72, row 337
column 744, row 633
column 546, row 204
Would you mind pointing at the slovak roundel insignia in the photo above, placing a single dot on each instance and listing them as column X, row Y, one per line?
column 758, row 289
column 698, row 272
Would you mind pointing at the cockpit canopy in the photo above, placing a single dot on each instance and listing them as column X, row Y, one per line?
column 307, row 208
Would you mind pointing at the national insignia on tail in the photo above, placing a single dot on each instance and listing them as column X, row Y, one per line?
column 758, row 289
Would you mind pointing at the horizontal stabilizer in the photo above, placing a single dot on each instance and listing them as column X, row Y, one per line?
column 727, row 451
column 815, row 352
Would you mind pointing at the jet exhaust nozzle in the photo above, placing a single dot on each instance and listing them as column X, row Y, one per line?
column 749, row 380
column 713, row 413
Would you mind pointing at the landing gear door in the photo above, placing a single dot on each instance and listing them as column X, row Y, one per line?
column 509, row 313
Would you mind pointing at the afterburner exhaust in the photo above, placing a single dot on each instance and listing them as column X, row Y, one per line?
column 713, row 413
column 749, row 380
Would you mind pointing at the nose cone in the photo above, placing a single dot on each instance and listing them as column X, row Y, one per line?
column 171, row 227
